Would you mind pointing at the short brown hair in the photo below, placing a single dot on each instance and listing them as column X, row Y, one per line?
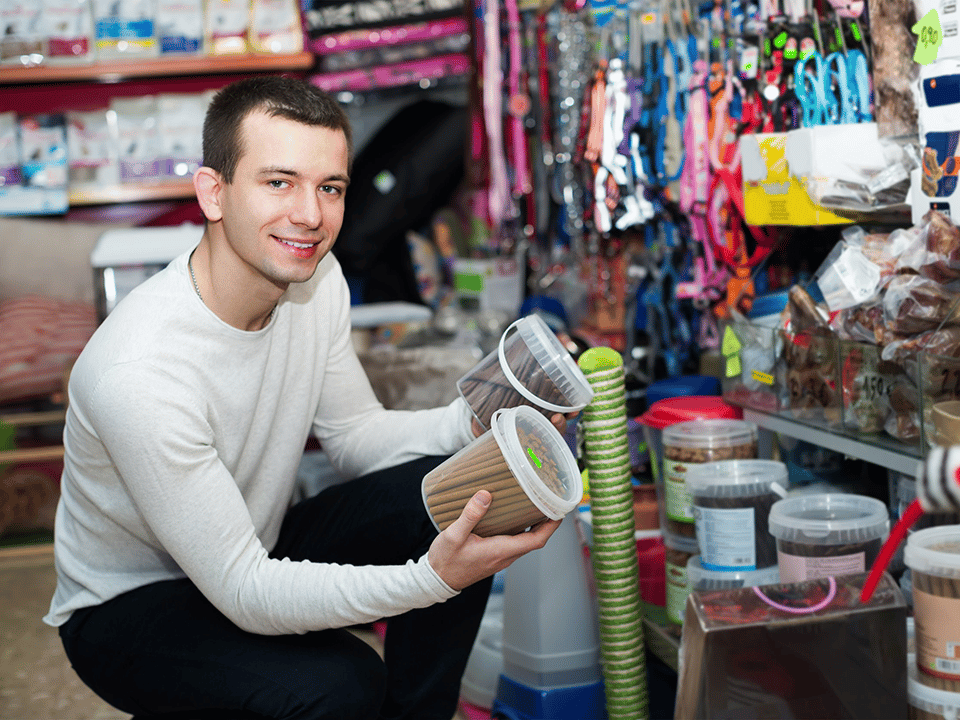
column 277, row 96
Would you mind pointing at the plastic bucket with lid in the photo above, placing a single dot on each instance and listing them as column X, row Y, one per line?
column 933, row 556
column 525, row 464
column 670, row 411
column 692, row 443
column 731, row 507
column 529, row 367
column 928, row 703
column 701, row 578
column 827, row 534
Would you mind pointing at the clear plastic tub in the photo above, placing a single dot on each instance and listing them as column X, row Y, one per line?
column 692, row 443
column 525, row 464
column 933, row 556
column 701, row 578
column 679, row 550
column 529, row 368
column 827, row 534
column 731, row 506
column 928, row 703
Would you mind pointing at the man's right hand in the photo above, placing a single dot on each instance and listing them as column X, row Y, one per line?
column 461, row 558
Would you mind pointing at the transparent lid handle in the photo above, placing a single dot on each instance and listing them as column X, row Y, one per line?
column 517, row 385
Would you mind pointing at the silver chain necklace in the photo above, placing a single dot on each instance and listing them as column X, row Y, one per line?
column 194, row 277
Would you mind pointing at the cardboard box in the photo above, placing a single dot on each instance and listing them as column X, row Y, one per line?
column 741, row 657
column 772, row 193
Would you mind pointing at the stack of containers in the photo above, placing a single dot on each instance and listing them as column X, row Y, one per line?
column 933, row 556
column 904, row 487
column 731, row 504
column 681, row 433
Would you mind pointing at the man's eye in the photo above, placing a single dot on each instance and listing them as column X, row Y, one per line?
column 331, row 189
column 277, row 184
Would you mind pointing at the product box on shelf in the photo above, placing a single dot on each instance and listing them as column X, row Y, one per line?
column 772, row 192
column 811, row 377
column 754, row 372
column 938, row 381
column 872, row 389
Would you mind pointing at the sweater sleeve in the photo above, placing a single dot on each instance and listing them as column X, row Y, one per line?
column 357, row 433
column 189, row 506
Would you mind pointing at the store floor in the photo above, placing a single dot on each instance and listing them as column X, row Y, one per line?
column 36, row 681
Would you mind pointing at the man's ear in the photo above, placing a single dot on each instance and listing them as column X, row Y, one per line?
column 207, row 183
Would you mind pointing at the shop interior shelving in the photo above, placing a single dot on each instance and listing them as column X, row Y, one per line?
column 877, row 449
column 120, row 70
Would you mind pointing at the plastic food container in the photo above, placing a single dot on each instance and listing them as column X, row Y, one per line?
column 679, row 550
column 731, row 507
column 928, row 703
column 701, row 578
column 933, row 556
column 670, row 411
column 692, row 443
column 829, row 534
column 530, row 367
column 525, row 464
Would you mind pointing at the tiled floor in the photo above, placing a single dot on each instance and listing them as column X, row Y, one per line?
column 36, row 681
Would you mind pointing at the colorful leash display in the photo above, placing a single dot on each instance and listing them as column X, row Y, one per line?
column 614, row 550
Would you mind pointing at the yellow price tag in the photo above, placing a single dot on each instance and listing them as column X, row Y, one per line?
column 759, row 376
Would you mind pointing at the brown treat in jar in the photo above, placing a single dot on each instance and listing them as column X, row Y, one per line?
column 695, row 442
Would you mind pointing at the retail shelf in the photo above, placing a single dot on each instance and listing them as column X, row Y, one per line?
column 876, row 449
column 155, row 67
column 173, row 190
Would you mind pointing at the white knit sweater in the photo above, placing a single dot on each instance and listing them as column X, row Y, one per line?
column 182, row 441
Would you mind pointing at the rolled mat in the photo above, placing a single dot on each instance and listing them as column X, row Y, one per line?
column 607, row 457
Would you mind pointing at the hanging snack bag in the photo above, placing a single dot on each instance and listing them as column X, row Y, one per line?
column 125, row 28
column 227, row 23
column 136, row 137
column 180, row 27
column 92, row 153
column 68, row 26
column 275, row 27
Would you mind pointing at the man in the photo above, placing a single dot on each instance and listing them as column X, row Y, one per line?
column 187, row 585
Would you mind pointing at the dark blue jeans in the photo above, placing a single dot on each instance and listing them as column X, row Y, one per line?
column 164, row 651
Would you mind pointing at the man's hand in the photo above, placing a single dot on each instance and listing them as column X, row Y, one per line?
column 461, row 558
column 559, row 422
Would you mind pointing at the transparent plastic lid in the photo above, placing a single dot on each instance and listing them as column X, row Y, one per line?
column 681, row 543
column 555, row 360
column 737, row 478
column 700, row 578
column 829, row 519
column 539, row 459
column 935, row 551
column 710, row 433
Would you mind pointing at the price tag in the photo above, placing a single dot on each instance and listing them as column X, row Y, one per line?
column 730, row 344
column 929, row 38
column 733, row 366
column 760, row 376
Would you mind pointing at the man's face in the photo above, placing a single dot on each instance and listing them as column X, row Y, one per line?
column 284, row 208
